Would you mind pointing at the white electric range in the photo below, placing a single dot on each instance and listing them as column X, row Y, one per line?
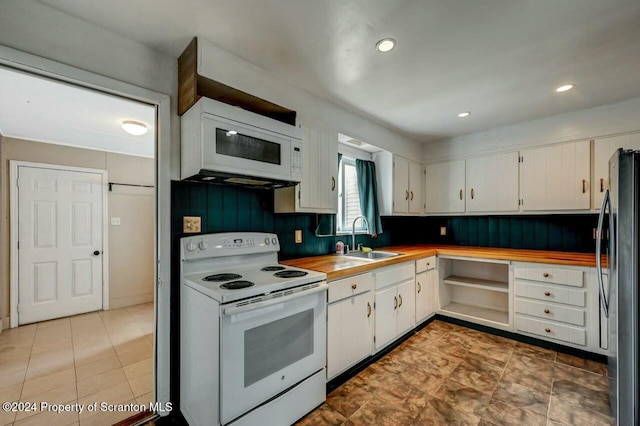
column 253, row 332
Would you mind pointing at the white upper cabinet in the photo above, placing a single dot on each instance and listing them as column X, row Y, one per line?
column 400, row 190
column 603, row 149
column 317, row 192
column 445, row 187
column 492, row 183
column 556, row 177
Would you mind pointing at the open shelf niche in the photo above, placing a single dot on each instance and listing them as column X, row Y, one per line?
column 476, row 291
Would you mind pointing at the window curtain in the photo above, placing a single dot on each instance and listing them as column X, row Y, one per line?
column 368, row 191
column 326, row 223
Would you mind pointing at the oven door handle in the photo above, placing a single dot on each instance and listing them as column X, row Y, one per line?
column 234, row 310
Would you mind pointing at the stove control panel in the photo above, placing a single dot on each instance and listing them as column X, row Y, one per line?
column 228, row 244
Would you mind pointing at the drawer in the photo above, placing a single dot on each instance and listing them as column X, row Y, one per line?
column 552, row 330
column 548, row 274
column 347, row 287
column 425, row 264
column 551, row 293
column 549, row 311
column 395, row 274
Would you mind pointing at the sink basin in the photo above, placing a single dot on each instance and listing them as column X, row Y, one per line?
column 372, row 255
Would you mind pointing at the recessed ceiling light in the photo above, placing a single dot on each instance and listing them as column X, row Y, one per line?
column 385, row 45
column 564, row 88
column 464, row 114
column 135, row 128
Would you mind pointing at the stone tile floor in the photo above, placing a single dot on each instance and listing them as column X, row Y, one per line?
column 97, row 357
column 451, row 375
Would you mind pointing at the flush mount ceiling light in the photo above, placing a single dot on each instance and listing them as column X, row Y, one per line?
column 135, row 128
column 464, row 114
column 231, row 132
column 564, row 88
column 385, row 45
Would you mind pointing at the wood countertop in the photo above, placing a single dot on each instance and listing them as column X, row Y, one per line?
column 337, row 266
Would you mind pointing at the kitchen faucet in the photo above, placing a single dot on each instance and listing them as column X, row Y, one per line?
column 353, row 230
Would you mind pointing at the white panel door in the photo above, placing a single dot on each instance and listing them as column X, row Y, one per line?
column 318, row 189
column 60, row 217
column 425, row 294
column 492, row 183
column 400, row 184
column 603, row 149
column 445, row 187
column 416, row 190
column 406, row 306
column 308, row 186
column 386, row 306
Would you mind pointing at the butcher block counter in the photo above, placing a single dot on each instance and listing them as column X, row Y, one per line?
column 338, row 266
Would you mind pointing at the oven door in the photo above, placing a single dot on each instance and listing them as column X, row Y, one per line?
column 233, row 147
column 269, row 346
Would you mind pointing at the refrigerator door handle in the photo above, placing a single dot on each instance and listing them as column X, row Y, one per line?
column 603, row 298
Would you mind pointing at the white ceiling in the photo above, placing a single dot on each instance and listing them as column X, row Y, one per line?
column 48, row 111
column 499, row 59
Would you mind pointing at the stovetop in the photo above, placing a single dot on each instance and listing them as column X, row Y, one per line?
column 238, row 286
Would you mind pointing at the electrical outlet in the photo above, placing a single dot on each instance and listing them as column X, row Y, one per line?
column 191, row 224
column 443, row 231
column 115, row 221
column 298, row 236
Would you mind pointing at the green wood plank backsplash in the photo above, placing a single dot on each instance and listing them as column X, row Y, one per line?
column 227, row 208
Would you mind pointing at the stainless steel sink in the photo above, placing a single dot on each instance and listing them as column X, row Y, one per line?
column 372, row 255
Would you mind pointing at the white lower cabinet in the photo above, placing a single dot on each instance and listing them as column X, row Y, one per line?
column 426, row 283
column 349, row 323
column 395, row 303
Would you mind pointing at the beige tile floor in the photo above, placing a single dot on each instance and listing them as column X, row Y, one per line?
column 97, row 357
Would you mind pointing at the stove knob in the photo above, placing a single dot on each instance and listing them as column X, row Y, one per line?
column 191, row 247
column 202, row 245
column 266, row 241
column 274, row 241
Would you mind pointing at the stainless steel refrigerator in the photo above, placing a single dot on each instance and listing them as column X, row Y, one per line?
column 620, row 302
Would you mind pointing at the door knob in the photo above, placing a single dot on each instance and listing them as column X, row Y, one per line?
column 97, row 252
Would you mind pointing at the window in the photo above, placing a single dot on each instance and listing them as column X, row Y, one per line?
column 348, row 196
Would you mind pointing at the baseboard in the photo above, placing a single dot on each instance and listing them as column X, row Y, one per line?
column 123, row 302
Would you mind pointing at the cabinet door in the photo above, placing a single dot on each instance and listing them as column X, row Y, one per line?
column 492, row 183
column 556, row 177
column 349, row 332
column 416, row 189
column 328, row 158
column 385, row 321
column 445, row 187
column 400, row 185
column 603, row 149
column 424, row 301
column 318, row 187
column 406, row 311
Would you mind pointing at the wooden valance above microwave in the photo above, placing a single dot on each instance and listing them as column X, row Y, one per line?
column 192, row 86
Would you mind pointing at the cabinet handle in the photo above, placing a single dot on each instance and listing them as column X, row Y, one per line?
column 354, row 286
column 333, row 183
column 400, row 297
column 411, row 196
column 584, row 188
column 419, row 287
column 461, row 194
column 548, row 330
column 368, row 309
column 546, row 311
column 546, row 293
column 406, row 194
column 601, row 185
column 395, row 302
column 546, row 275
column 472, row 193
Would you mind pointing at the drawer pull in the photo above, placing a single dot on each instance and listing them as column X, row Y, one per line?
column 546, row 293
column 546, row 275
column 406, row 196
column 354, row 286
column 584, row 186
column 428, row 264
column 461, row 194
column 546, row 311
column 548, row 330
column 395, row 302
column 400, row 297
column 419, row 287
column 601, row 185
column 369, row 309
column 473, row 193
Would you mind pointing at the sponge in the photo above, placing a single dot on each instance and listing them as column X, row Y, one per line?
column 366, row 249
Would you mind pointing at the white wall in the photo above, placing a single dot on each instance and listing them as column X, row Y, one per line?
column 622, row 117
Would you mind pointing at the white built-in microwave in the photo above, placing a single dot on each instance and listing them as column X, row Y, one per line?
column 225, row 144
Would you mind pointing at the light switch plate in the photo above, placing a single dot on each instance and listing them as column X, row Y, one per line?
column 298, row 236
column 443, row 231
column 115, row 221
column 191, row 224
